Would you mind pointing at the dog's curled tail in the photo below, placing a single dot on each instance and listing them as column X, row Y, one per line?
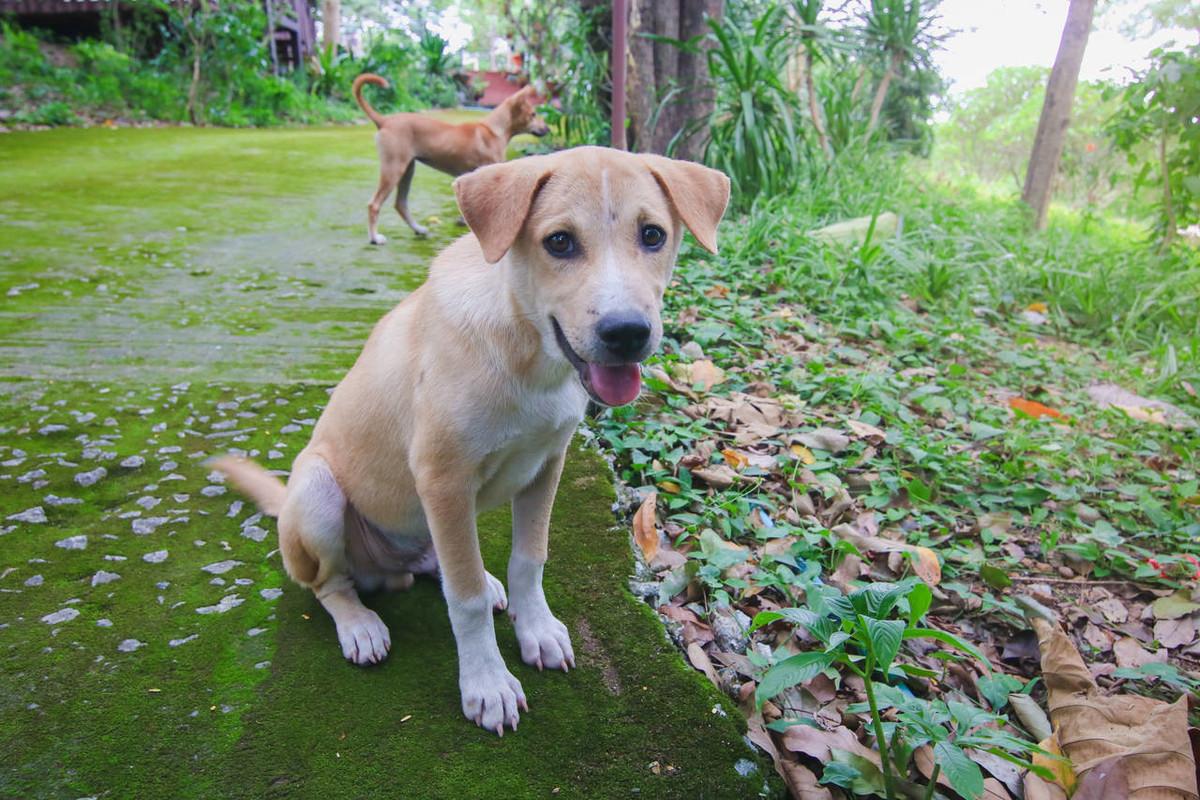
column 365, row 78
column 253, row 481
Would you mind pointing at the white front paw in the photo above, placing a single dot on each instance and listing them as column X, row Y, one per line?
column 377, row 238
column 491, row 697
column 545, row 642
column 364, row 638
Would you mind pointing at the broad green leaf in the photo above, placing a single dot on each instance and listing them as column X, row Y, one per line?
column 869, row 779
column 997, row 687
column 791, row 671
column 919, row 601
column 952, row 640
column 963, row 773
column 885, row 636
column 994, row 577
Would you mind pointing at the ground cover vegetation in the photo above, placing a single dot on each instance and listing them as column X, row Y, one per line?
column 898, row 484
column 877, row 460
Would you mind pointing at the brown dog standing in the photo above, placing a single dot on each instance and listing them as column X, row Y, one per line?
column 405, row 139
column 466, row 396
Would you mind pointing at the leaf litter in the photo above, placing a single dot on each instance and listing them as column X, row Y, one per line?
column 869, row 452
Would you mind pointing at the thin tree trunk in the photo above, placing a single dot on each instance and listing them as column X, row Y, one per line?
column 331, row 24
column 814, row 105
column 893, row 68
column 1056, row 110
column 195, row 86
column 1168, row 200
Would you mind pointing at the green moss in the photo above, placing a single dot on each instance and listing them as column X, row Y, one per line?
column 269, row 283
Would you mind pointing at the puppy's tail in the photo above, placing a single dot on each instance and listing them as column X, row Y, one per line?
column 253, row 481
column 365, row 78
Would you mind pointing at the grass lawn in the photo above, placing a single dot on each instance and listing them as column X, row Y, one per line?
column 174, row 293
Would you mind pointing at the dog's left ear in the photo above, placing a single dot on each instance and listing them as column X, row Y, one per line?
column 495, row 200
column 699, row 195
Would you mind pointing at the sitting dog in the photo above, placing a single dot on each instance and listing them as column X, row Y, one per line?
column 405, row 139
column 466, row 396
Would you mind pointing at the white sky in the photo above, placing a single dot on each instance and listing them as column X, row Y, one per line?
column 998, row 33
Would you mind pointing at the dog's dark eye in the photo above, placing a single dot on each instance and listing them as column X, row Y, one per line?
column 560, row 244
column 653, row 236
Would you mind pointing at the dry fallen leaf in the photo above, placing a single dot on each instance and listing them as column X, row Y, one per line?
column 644, row 531
column 1108, row 779
column 826, row 439
column 704, row 374
column 803, row 453
column 1143, row 409
column 734, row 458
column 1033, row 408
column 700, row 661
column 1175, row 632
column 924, row 563
column 718, row 476
column 1150, row 736
column 1053, row 760
column 864, row 431
column 1130, row 653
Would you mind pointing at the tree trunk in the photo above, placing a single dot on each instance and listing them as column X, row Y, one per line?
column 1168, row 201
column 894, row 62
column 197, row 50
column 814, row 105
column 659, row 71
column 331, row 24
column 1056, row 110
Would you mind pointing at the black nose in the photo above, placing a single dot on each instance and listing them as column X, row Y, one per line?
column 625, row 334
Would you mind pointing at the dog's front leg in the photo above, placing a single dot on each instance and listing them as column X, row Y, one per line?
column 544, row 640
column 491, row 696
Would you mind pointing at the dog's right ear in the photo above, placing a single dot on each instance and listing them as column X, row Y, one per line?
column 495, row 200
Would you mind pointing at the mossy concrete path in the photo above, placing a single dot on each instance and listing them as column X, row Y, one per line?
column 172, row 294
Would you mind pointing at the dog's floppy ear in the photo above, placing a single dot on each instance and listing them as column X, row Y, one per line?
column 699, row 195
column 495, row 200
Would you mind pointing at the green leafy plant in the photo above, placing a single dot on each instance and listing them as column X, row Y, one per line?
column 1162, row 107
column 862, row 632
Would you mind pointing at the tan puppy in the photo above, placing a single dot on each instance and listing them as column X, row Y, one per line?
column 405, row 139
column 466, row 396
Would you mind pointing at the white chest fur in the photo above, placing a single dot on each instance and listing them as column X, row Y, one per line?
column 521, row 444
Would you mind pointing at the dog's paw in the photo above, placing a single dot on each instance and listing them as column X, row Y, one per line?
column 364, row 638
column 545, row 642
column 420, row 230
column 378, row 238
column 496, row 589
column 492, row 698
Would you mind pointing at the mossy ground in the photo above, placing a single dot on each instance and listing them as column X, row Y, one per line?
column 199, row 290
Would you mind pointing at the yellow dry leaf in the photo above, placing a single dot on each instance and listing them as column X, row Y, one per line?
column 803, row 453
column 645, row 533
column 704, row 374
column 670, row 486
column 1039, row 307
column 735, row 459
column 1060, row 767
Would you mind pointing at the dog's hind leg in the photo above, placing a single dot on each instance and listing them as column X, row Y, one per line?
column 312, row 538
column 402, row 200
column 388, row 178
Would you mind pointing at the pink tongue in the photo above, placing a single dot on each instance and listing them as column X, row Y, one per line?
column 617, row 385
